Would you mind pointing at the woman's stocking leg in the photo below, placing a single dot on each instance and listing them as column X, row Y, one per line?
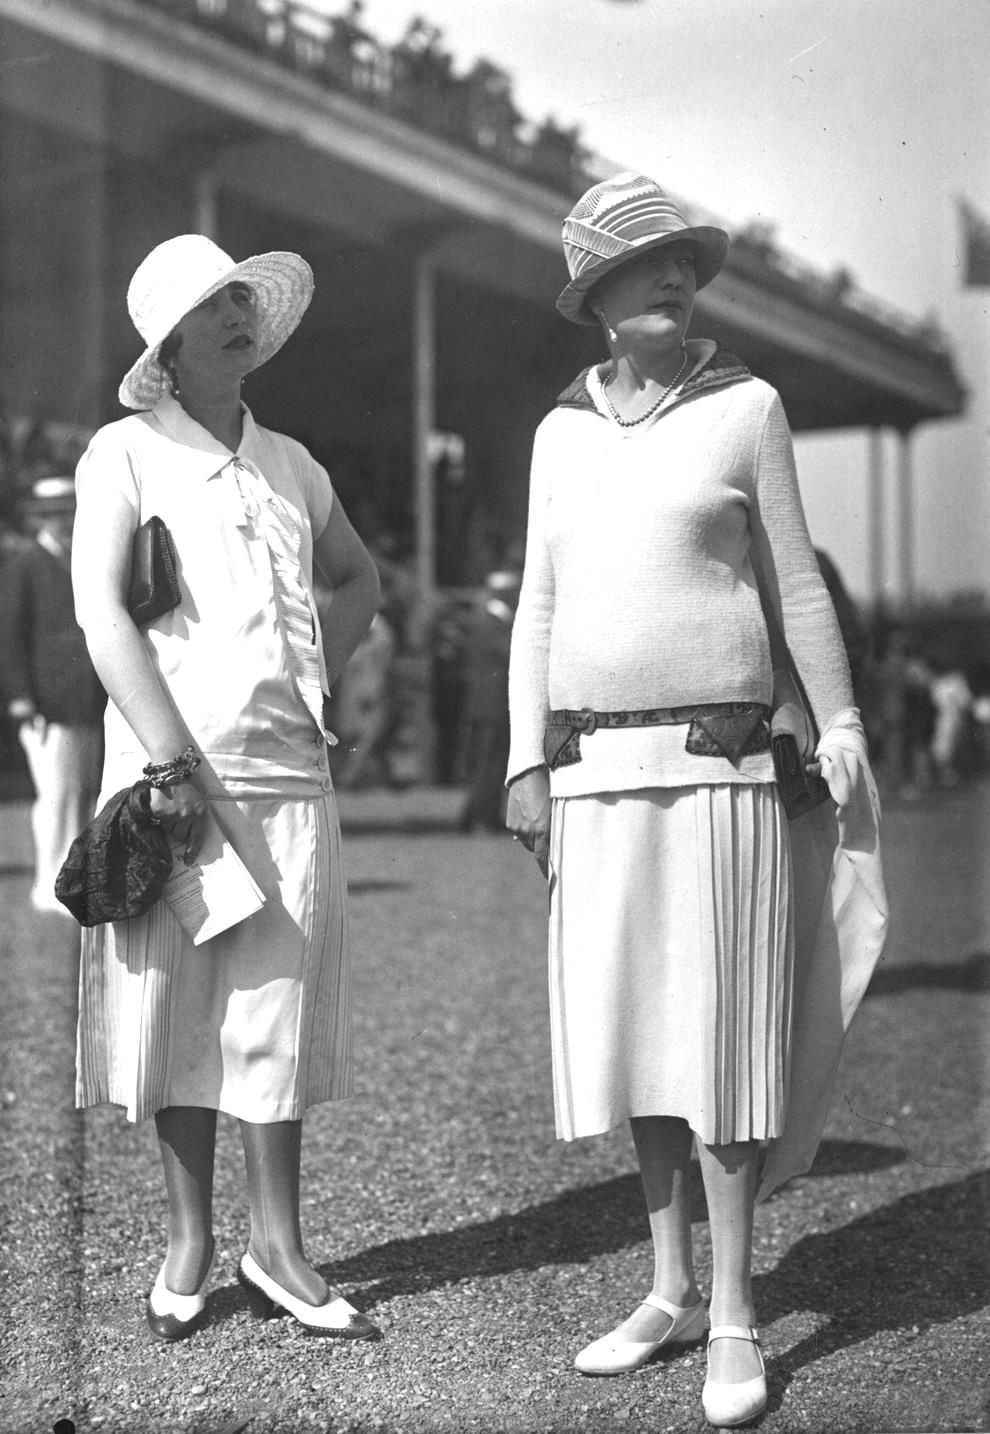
column 729, row 1173
column 272, row 1157
column 187, row 1141
column 663, row 1149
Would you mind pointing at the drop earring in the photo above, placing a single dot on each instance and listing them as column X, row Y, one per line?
column 613, row 337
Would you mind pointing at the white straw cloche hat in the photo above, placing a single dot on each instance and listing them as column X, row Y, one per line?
column 182, row 272
column 618, row 220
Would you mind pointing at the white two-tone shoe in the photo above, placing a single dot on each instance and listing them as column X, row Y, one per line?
column 172, row 1316
column 334, row 1318
column 614, row 1355
column 728, row 1405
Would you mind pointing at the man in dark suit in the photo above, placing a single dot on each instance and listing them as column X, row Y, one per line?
column 48, row 683
column 486, row 711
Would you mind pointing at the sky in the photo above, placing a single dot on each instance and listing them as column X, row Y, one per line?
column 853, row 127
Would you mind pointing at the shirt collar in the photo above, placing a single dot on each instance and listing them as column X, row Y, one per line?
column 206, row 455
column 713, row 366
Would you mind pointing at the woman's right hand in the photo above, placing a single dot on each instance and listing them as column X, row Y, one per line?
column 528, row 813
column 181, row 810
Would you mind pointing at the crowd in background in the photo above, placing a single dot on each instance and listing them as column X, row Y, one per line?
column 926, row 710
column 929, row 728
column 926, row 706
column 926, row 716
column 415, row 79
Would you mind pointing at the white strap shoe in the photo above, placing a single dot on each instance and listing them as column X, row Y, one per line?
column 614, row 1355
column 728, row 1405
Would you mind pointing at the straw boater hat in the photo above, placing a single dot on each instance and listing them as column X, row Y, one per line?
column 618, row 220
column 181, row 273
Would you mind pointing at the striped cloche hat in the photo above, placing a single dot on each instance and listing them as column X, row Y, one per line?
column 617, row 220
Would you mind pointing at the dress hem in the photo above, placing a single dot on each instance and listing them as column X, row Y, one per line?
column 293, row 1112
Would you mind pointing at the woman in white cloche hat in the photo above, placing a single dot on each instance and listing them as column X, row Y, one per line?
column 688, row 993
column 219, row 701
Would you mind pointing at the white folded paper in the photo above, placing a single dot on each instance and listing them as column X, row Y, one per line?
column 216, row 892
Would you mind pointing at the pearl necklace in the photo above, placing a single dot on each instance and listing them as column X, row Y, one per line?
column 632, row 422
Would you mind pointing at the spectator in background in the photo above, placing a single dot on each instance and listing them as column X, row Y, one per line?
column 953, row 703
column 11, row 542
column 486, row 708
column 981, row 724
column 363, row 709
column 447, row 639
column 889, row 711
column 38, row 456
column 919, row 725
column 50, row 688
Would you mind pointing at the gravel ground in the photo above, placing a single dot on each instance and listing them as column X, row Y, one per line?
column 438, row 1199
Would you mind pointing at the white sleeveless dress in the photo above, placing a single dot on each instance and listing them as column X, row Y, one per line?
column 256, row 1021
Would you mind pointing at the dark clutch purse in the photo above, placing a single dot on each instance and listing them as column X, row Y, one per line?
column 800, row 790
column 119, row 863
column 793, row 739
column 154, row 584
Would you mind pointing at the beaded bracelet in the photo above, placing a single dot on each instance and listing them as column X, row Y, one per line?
column 176, row 769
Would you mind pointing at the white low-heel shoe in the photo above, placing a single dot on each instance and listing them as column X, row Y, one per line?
column 727, row 1405
column 172, row 1316
column 612, row 1355
column 335, row 1317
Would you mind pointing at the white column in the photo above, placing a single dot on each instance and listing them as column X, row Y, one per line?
column 420, row 695
column 423, row 423
column 908, row 557
column 206, row 205
column 876, row 520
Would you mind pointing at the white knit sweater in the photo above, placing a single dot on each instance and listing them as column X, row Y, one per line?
column 639, row 590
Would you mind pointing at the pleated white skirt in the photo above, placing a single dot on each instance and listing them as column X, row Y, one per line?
column 671, row 960
column 255, row 1022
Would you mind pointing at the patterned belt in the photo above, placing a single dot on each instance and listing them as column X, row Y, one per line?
column 715, row 729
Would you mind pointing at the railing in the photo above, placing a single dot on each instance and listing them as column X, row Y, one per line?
column 755, row 246
column 415, row 81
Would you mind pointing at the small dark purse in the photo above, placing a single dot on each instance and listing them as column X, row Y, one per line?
column 154, row 584
column 793, row 731
column 800, row 790
column 119, row 863
column 793, row 739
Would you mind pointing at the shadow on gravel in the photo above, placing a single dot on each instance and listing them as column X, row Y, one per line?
column 972, row 974
column 853, row 1157
column 919, row 1262
column 574, row 1228
column 362, row 888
